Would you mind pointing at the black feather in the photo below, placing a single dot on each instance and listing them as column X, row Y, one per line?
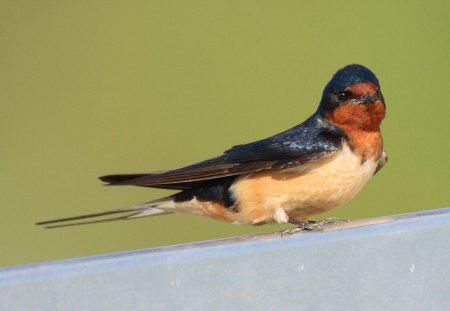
column 313, row 139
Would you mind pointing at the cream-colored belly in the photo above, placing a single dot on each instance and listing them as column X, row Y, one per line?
column 321, row 186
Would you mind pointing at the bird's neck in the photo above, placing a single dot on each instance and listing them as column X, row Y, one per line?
column 361, row 124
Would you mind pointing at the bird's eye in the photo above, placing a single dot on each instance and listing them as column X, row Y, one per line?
column 343, row 95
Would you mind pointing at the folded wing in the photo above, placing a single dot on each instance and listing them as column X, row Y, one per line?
column 309, row 141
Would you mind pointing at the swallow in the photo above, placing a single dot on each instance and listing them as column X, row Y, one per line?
column 306, row 170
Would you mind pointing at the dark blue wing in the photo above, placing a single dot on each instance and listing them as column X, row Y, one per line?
column 313, row 139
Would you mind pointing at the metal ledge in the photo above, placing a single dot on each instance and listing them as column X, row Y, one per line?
column 398, row 262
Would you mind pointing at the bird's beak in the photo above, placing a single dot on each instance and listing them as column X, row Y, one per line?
column 369, row 99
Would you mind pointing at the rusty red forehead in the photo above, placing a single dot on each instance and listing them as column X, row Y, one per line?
column 361, row 89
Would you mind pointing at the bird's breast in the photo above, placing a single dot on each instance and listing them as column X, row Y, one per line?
column 325, row 184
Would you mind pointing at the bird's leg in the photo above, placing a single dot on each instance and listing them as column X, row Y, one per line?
column 305, row 225
column 310, row 225
column 301, row 225
column 329, row 221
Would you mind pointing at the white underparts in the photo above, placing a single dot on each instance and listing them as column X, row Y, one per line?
column 143, row 210
column 280, row 216
column 270, row 196
column 148, row 212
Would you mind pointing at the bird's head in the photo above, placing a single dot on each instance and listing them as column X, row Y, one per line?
column 353, row 99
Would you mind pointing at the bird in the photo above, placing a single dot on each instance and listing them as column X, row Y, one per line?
column 306, row 170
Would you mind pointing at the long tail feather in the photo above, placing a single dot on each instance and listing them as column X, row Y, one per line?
column 137, row 211
column 54, row 225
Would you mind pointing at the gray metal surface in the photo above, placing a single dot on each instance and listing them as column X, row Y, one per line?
column 390, row 263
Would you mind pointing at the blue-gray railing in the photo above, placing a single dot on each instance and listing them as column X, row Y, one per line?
column 399, row 262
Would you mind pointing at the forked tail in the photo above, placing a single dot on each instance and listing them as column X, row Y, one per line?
column 136, row 211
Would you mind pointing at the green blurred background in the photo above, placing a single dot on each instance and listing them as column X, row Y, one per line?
column 95, row 87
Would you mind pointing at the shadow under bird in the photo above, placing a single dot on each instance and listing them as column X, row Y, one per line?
column 309, row 169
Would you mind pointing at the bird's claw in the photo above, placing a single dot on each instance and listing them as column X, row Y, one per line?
column 311, row 225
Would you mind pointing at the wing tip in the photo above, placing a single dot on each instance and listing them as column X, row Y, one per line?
column 120, row 179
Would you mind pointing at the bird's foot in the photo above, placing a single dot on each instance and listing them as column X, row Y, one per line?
column 301, row 225
column 329, row 221
column 310, row 225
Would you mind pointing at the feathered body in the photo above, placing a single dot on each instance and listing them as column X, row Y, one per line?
column 311, row 168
